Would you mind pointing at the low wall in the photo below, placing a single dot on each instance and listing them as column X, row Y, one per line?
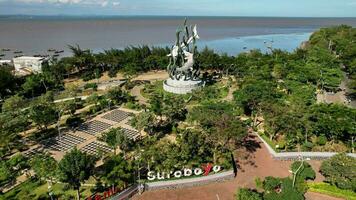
column 126, row 194
column 190, row 182
column 180, row 86
column 296, row 155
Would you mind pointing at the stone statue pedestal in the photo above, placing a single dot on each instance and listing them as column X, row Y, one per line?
column 182, row 86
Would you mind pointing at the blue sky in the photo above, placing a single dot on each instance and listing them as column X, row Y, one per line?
column 288, row 8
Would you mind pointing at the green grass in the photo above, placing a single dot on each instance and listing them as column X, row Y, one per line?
column 149, row 89
column 331, row 190
column 269, row 142
column 157, row 87
column 34, row 190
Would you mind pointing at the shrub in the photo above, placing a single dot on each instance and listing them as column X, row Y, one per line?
column 74, row 121
column 133, row 106
column 340, row 171
column 322, row 140
column 93, row 86
column 281, row 144
column 280, row 189
column 247, row 194
column 259, row 183
column 304, row 173
column 94, row 109
column 308, row 146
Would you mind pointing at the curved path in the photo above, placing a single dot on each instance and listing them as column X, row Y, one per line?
column 136, row 92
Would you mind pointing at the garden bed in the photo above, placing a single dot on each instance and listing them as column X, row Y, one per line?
column 327, row 189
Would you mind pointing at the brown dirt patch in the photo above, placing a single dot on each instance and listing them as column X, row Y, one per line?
column 254, row 161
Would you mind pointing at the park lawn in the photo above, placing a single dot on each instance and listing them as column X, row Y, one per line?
column 34, row 190
column 150, row 88
column 269, row 142
column 331, row 190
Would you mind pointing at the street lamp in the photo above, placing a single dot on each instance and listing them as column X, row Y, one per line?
column 140, row 186
column 299, row 168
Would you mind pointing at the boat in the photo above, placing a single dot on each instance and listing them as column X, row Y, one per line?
column 59, row 51
column 6, row 49
column 2, row 55
column 18, row 52
column 55, row 55
column 51, row 50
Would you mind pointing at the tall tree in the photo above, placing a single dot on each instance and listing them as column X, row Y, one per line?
column 117, row 171
column 45, row 166
column 75, row 168
column 43, row 115
column 115, row 138
column 222, row 128
column 7, row 83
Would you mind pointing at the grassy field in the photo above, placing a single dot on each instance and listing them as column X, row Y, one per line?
column 33, row 189
column 331, row 190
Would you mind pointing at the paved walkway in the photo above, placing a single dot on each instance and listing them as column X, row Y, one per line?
column 230, row 95
column 254, row 161
column 20, row 179
column 152, row 76
column 71, row 98
column 136, row 92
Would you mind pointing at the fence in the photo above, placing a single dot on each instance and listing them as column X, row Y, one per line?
column 296, row 155
column 126, row 194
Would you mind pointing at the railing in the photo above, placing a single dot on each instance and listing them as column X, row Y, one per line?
column 296, row 155
column 126, row 194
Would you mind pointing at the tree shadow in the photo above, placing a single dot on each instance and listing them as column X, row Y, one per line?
column 245, row 155
column 250, row 144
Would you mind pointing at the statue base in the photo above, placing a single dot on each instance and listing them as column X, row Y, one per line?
column 182, row 86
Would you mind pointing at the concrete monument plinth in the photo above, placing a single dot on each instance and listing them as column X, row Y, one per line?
column 184, row 73
column 182, row 86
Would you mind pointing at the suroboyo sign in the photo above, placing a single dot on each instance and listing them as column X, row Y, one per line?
column 186, row 172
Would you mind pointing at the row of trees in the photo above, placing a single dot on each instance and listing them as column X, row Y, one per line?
column 318, row 64
column 215, row 130
column 19, row 115
column 77, row 167
column 281, row 89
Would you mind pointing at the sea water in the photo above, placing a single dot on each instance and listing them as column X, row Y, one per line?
column 35, row 35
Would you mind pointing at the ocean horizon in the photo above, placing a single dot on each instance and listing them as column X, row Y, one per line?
column 33, row 35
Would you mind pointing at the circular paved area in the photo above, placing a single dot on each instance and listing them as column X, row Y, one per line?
column 254, row 161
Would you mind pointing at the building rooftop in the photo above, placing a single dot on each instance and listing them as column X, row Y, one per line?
column 29, row 58
column 5, row 61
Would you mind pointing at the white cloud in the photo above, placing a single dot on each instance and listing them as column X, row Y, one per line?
column 51, row 1
column 103, row 3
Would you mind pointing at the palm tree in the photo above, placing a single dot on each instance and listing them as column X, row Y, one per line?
column 81, row 58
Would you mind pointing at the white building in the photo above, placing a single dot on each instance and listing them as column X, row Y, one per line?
column 29, row 64
column 5, row 62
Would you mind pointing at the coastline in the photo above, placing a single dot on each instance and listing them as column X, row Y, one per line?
column 35, row 34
